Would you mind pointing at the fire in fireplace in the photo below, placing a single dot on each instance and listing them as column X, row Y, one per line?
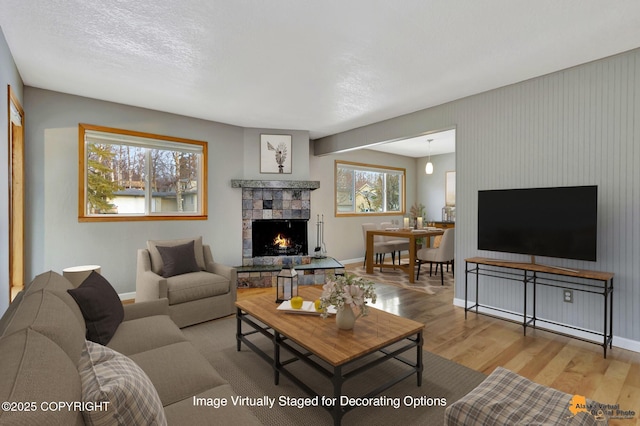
column 274, row 237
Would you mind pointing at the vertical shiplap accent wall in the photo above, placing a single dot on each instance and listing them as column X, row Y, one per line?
column 579, row 126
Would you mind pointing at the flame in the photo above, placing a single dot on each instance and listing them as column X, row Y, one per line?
column 281, row 241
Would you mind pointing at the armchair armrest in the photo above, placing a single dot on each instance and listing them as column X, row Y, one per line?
column 149, row 285
column 214, row 267
column 146, row 309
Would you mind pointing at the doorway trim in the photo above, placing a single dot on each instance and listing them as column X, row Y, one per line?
column 16, row 194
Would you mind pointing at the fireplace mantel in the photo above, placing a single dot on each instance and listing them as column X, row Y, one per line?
column 276, row 184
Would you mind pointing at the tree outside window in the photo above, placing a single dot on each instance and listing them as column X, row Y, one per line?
column 363, row 189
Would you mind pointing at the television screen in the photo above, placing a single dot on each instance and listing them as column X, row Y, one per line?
column 555, row 222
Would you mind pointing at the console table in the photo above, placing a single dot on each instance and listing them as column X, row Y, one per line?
column 595, row 282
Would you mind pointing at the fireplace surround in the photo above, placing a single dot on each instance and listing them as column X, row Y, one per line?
column 287, row 202
column 266, row 200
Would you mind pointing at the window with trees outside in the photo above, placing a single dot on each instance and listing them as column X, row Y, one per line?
column 127, row 175
column 365, row 189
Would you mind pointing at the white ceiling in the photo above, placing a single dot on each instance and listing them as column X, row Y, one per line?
column 419, row 146
column 323, row 66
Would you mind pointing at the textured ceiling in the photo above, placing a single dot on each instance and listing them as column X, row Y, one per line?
column 323, row 66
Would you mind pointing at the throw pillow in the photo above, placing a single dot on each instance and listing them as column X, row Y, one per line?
column 177, row 260
column 156, row 260
column 109, row 377
column 100, row 306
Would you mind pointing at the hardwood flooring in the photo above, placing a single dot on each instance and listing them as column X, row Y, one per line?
column 483, row 343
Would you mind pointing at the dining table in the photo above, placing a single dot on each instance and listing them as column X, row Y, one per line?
column 409, row 233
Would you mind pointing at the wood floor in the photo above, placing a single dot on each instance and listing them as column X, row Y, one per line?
column 483, row 343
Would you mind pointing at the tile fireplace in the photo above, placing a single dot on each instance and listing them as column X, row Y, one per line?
column 273, row 211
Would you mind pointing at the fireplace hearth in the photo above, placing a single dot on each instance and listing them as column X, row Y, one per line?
column 279, row 237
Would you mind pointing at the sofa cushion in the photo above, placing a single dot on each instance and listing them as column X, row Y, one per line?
column 506, row 398
column 48, row 280
column 10, row 312
column 55, row 283
column 100, row 306
column 158, row 330
column 194, row 375
column 108, row 376
column 47, row 313
column 177, row 260
column 35, row 369
column 156, row 259
column 194, row 286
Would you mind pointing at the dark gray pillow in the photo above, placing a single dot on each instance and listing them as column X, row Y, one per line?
column 178, row 260
column 100, row 306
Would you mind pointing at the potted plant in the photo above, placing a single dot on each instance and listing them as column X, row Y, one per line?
column 416, row 211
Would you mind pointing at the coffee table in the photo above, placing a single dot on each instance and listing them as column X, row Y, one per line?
column 338, row 355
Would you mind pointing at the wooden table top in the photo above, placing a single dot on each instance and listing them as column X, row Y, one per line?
column 322, row 336
column 407, row 233
column 534, row 267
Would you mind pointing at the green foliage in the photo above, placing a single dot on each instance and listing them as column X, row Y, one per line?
column 393, row 192
column 100, row 185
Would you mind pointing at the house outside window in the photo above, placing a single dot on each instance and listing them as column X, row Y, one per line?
column 127, row 175
column 365, row 189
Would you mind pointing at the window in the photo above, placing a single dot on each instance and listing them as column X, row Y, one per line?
column 127, row 175
column 363, row 189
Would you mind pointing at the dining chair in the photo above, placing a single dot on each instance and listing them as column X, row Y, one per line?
column 444, row 254
column 380, row 247
column 399, row 244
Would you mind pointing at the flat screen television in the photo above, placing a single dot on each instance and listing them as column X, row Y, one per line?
column 556, row 222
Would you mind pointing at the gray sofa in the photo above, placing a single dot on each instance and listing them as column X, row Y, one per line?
column 42, row 345
column 207, row 293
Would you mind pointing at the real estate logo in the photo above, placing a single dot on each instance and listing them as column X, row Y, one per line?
column 600, row 412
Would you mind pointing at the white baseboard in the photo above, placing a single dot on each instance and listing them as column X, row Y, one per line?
column 619, row 342
column 348, row 261
column 128, row 296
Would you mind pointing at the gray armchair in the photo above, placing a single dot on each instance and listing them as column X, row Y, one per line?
column 207, row 291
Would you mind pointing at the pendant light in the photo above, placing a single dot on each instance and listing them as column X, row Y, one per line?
column 429, row 167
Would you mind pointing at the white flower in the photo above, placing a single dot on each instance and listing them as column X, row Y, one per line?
column 353, row 295
column 347, row 290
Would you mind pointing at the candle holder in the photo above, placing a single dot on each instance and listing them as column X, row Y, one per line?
column 287, row 284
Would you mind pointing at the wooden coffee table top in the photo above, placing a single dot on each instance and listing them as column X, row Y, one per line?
column 322, row 337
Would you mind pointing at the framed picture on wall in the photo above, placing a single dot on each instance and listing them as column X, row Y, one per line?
column 275, row 153
column 450, row 188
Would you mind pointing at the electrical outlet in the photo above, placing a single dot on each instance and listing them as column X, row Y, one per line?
column 567, row 295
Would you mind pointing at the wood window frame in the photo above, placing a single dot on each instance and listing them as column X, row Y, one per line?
column 82, row 174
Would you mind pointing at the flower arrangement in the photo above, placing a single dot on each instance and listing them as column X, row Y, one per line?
column 347, row 289
column 417, row 210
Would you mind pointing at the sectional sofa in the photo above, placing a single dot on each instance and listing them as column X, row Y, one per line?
column 147, row 373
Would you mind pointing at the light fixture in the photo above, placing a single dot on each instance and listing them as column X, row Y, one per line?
column 429, row 167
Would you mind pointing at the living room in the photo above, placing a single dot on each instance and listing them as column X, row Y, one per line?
column 52, row 210
column 574, row 126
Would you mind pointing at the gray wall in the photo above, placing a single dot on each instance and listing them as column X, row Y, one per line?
column 8, row 76
column 55, row 237
column 431, row 187
column 343, row 236
column 574, row 127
